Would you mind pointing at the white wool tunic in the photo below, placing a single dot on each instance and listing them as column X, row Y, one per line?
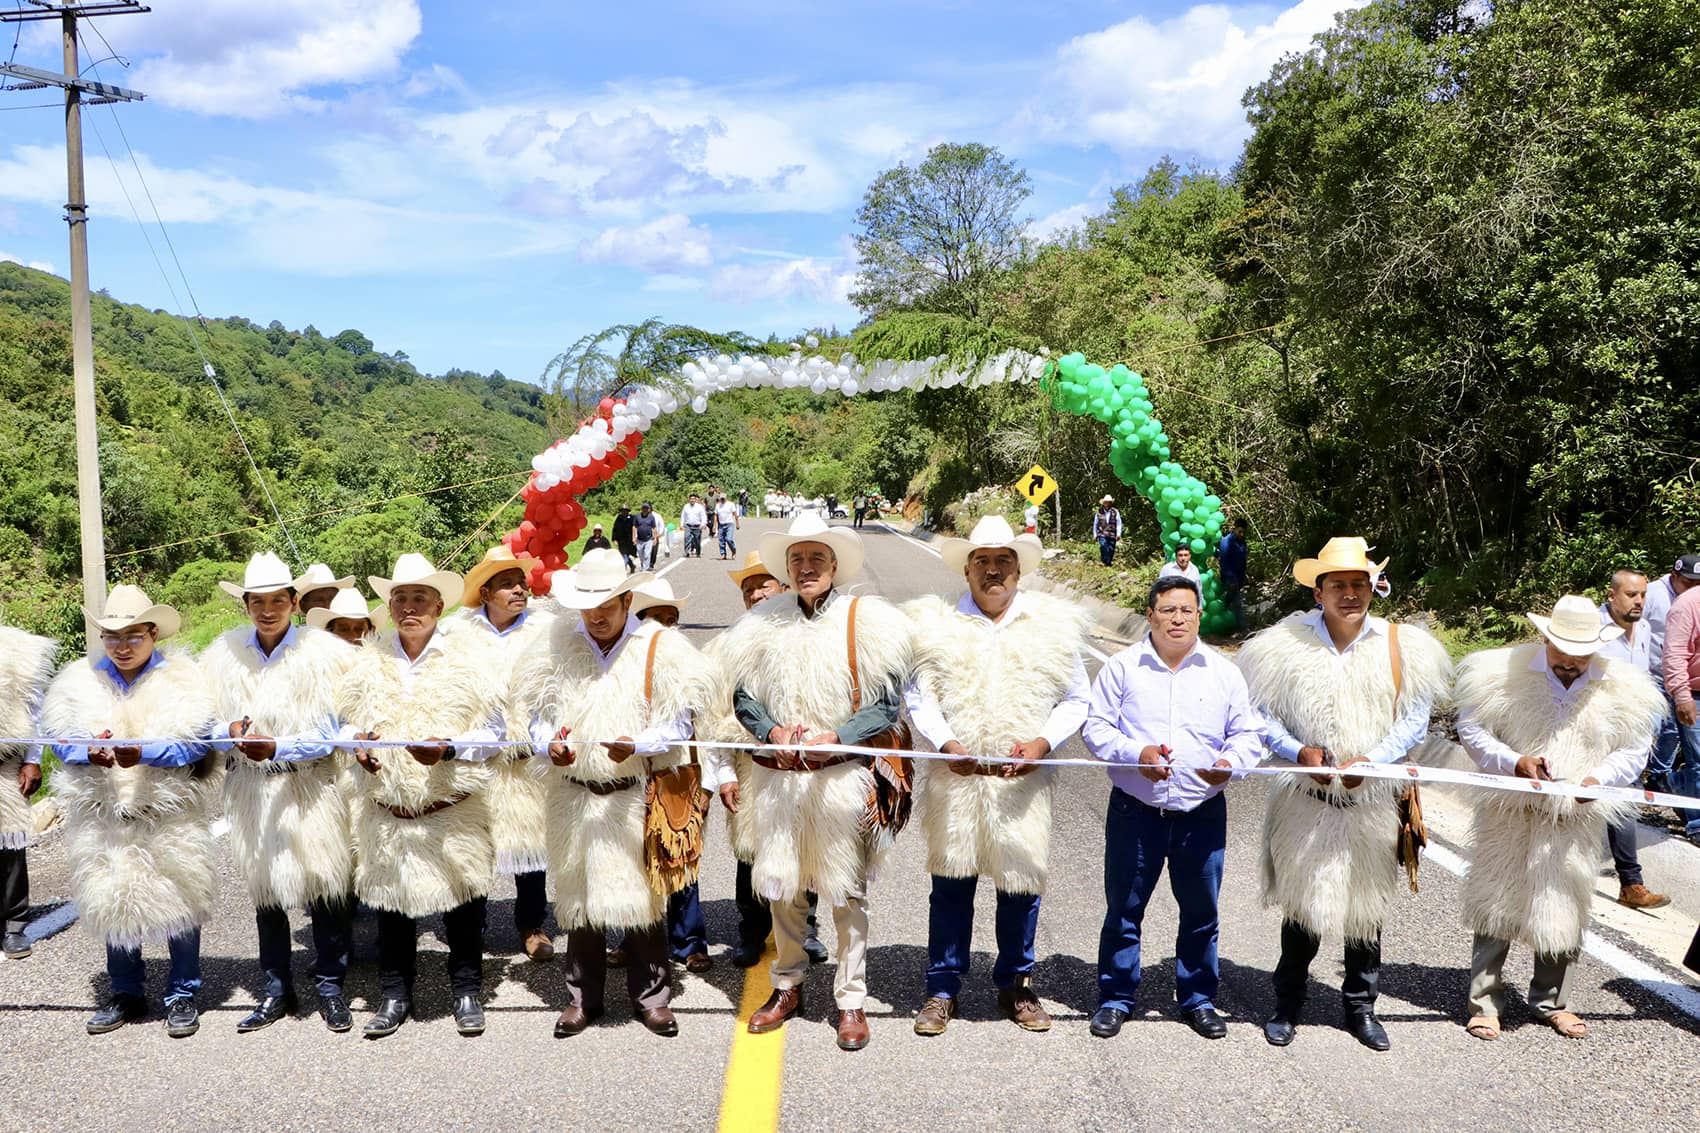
column 996, row 685
column 137, row 838
column 289, row 828
column 807, row 825
column 26, row 661
column 596, row 841
column 717, row 722
column 1330, row 863
column 1533, row 859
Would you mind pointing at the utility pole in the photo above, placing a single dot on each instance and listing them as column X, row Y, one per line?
column 77, row 217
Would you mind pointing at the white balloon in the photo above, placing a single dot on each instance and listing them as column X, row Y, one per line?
column 818, row 385
column 699, row 404
column 850, row 387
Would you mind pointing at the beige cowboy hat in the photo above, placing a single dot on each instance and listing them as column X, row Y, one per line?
column 496, row 560
column 599, row 577
column 348, row 603
column 264, row 574
column 319, row 576
column 1108, row 500
column 993, row 532
column 129, row 606
column 414, row 569
column 753, row 567
column 656, row 592
column 811, row 528
column 1342, row 553
column 1575, row 627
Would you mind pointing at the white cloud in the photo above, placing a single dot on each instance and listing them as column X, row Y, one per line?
column 806, row 278
column 664, row 245
column 1176, row 82
column 38, row 265
column 1053, row 225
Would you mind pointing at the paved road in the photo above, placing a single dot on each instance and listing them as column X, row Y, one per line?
column 1637, row 1070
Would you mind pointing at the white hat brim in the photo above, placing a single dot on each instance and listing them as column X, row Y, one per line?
column 1606, row 635
column 240, row 592
column 305, row 585
column 163, row 618
column 564, row 590
column 1028, row 551
column 446, row 583
column 776, row 544
column 641, row 602
column 321, row 617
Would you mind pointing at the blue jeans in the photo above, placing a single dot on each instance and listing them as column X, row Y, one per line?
column 129, row 977
column 333, row 939
column 693, row 539
column 1138, row 841
column 1106, row 548
column 687, row 931
column 728, row 540
column 950, row 931
column 1685, row 775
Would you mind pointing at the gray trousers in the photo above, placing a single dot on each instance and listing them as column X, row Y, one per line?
column 648, row 968
column 14, row 888
column 1549, row 990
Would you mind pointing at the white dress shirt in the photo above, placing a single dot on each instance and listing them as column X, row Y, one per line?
column 1635, row 646
column 1620, row 768
column 1190, row 571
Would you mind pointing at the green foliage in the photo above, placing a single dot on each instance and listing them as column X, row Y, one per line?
column 196, row 583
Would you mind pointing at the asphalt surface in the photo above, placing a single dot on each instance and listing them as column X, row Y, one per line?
column 1636, row 1070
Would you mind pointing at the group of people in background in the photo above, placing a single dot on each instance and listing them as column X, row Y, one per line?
column 403, row 758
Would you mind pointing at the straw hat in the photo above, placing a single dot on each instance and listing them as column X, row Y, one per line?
column 993, row 532
column 319, row 576
column 348, row 603
column 599, row 577
column 128, row 606
column 1575, row 627
column 265, row 574
column 811, row 528
column 656, row 592
column 1342, row 553
column 753, row 566
column 496, row 560
column 414, row 569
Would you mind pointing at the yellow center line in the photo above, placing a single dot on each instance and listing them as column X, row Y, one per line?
column 749, row 1101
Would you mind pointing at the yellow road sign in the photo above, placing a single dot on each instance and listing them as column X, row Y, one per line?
column 1036, row 484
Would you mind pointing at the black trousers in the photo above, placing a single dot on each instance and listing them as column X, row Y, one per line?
column 333, row 939
column 14, row 888
column 1625, row 854
column 1299, row 947
column 398, row 950
column 648, row 968
column 531, row 901
column 755, row 919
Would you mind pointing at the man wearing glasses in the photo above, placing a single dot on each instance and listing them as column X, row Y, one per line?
column 1176, row 718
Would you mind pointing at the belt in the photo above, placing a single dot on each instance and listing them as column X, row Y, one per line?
column 772, row 764
column 429, row 809
column 608, row 786
column 1340, row 802
column 1165, row 812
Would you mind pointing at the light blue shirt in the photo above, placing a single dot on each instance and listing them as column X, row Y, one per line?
column 174, row 753
column 1201, row 711
column 479, row 618
column 1660, row 595
column 295, row 749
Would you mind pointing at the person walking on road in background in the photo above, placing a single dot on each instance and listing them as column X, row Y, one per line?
column 1662, row 592
column 1166, row 803
column 743, row 501
column 726, row 515
column 646, row 529
column 1107, row 529
column 1681, row 685
column 1556, row 709
column 1337, row 686
column 597, row 540
column 997, row 673
column 693, row 518
column 26, row 662
column 1231, row 554
column 1623, row 608
column 860, row 503
column 625, row 538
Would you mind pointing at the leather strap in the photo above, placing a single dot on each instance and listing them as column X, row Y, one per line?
column 855, row 675
column 433, row 808
column 1398, row 662
column 608, row 786
column 649, row 669
column 772, row 764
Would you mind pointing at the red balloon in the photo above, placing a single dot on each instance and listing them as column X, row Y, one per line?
column 616, row 461
column 605, row 406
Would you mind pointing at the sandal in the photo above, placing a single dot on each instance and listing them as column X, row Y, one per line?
column 1569, row 1025
column 1484, row 1027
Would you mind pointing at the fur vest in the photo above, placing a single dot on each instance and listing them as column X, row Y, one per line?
column 1331, row 863
column 434, row 862
column 26, row 661
column 996, row 687
column 288, row 821
column 136, row 838
column 807, row 825
column 516, row 794
column 596, row 842
column 1533, row 858
column 717, row 722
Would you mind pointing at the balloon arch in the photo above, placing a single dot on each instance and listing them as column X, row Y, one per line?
column 1139, row 448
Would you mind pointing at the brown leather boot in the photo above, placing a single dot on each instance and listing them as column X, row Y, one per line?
column 780, row 1006
column 1638, row 896
column 539, row 946
column 1023, row 1008
column 852, row 1030
column 935, row 1015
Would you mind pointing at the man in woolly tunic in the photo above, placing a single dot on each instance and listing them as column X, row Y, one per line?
column 998, row 673
column 274, row 685
column 609, row 697
column 136, row 814
column 496, row 601
column 26, row 661
column 1550, row 710
column 421, row 812
column 1337, row 686
column 809, row 810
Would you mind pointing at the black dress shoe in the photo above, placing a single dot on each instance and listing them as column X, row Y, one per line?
column 334, row 1009
column 469, row 1015
column 1107, row 1022
column 16, row 946
column 271, row 1009
column 1280, row 1030
column 815, row 950
column 1367, row 1029
column 388, row 1018
column 120, row 1009
column 181, row 1018
column 747, row 955
column 1207, row 1022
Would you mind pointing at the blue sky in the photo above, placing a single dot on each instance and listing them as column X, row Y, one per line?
column 479, row 184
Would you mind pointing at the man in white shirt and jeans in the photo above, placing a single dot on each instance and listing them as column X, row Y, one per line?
column 726, row 516
column 1182, row 566
column 693, row 519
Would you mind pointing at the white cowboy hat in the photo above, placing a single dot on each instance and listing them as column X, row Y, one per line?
column 414, row 569
column 811, row 528
column 656, row 592
column 319, row 576
column 1575, row 627
column 128, row 606
column 348, row 603
column 1108, row 500
column 1342, row 553
column 993, row 532
column 265, row 574
column 496, row 560
column 599, row 577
